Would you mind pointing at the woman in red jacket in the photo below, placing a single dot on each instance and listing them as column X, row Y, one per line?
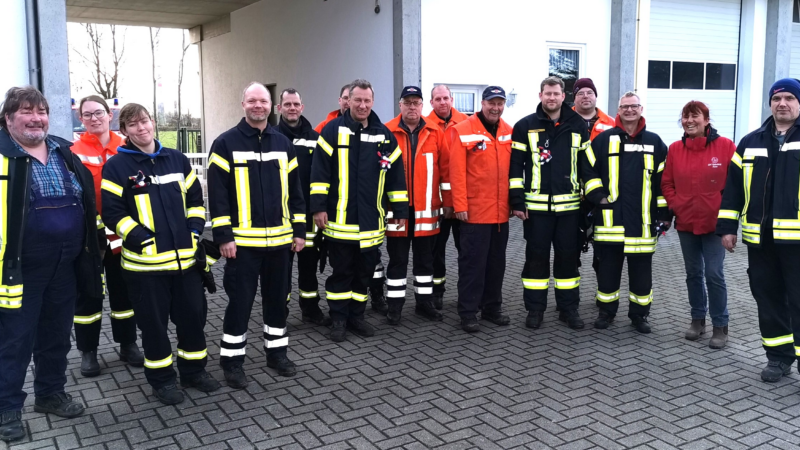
column 692, row 183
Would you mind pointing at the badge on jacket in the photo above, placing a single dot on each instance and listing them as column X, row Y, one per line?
column 544, row 155
column 479, row 146
column 139, row 180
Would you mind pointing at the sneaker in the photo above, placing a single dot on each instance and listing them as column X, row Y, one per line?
column 379, row 304
column 168, row 395
column 60, row 404
column 496, row 317
column 640, row 324
column 283, row 365
column 775, row 370
column 338, row 331
column 130, row 354
column 697, row 327
column 11, row 426
column 470, row 324
column 720, row 337
column 395, row 313
column 572, row 319
column 534, row 319
column 360, row 327
column 315, row 315
column 89, row 366
column 438, row 300
column 203, row 382
column 235, row 377
column 428, row 311
column 603, row 320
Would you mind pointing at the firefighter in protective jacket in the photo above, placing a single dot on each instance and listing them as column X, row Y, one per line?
column 622, row 173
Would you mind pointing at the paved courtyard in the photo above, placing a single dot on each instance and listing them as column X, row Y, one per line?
column 429, row 385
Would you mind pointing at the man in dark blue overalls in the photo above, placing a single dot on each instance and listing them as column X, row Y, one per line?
column 48, row 227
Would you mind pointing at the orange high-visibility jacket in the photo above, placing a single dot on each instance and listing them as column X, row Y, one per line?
column 424, row 181
column 604, row 122
column 331, row 115
column 479, row 177
column 456, row 117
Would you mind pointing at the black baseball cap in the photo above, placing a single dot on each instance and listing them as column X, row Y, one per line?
column 494, row 92
column 408, row 91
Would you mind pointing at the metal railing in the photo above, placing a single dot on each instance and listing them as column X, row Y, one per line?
column 189, row 140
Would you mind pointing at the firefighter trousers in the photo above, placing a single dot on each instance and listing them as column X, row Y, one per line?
column 346, row 287
column 397, row 273
column 773, row 272
column 157, row 299
column 89, row 310
column 440, row 252
column 379, row 276
column 481, row 267
column 240, row 280
column 307, row 263
column 609, row 274
column 540, row 231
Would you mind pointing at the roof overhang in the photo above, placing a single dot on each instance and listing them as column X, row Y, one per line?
column 152, row 13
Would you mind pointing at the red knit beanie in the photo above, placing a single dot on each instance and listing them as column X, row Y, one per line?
column 584, row 83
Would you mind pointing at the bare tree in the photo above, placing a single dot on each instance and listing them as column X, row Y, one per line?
column 104, row 63
column 185, row 47
column 153, row 45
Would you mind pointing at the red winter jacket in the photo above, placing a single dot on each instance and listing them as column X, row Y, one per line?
column 694, row 178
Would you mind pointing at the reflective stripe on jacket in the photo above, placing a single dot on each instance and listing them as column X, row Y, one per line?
column 552, row 187
column 479, row 170
column 747, row 197
column 424, row 182
column 348, row 183
column 626, row 171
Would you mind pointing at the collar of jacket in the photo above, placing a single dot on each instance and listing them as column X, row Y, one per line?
column 300, row 131
column 94, row 141
column 699, row 143
column 249, row 131
column 372, row 121
column 639, row 128
column 397, row 124
column 768, row 125
column 139, row 155
column 9, row 150
column 567, row 114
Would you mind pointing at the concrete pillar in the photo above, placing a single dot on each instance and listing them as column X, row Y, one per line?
column 15, row 53
column 407, row 19
column 750, row 86
column 54, row 59
column 622, row 56
column 778, row 49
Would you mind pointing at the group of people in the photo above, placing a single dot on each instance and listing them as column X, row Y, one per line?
column 134, row 210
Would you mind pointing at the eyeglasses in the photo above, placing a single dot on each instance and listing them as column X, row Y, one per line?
column 629, row 107
column 414, row 103
column 99, row 114
column 585, row 94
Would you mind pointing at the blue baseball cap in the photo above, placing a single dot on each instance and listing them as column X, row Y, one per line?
column 494, row 92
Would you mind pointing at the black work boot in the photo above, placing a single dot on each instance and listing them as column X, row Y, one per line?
column 378, row 300
column 438, row 300
column 311, row 313
column 11, row 426
column 360, row 327
column 130, row 354
column 203, row 382
column 169, row 394
column 697, row 327
column 470, row 324
column 640, row 324
column 534, row 319
column 496, row 317
column 338, row 331
column 603, row 320
column 235, row 377
column 775, row 370
column 60, row 404
column 283, row 365
column 426, row 309
column 572, row 319
column 89, row 366
column 395, row 311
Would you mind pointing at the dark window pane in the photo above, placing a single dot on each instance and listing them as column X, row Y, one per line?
column 687, row 75
column 796, row 11
column 565, row 64
column 658, row 75
column 720, row 76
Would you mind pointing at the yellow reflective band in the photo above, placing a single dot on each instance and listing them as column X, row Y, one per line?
column 122, row 314
column 661, row 202
column 647, row 194
column 536, row 170
column 242, row 178
column 573, row 172
column 219, row 161
column 661, row 166
column 395, row 154
column 439, row 280
column 166, row 362
column 566, row 207
column 112, row 187
column 748, row 178
column 220, row 221
column 338, row 295
column 125, row 226
column 642, row 300
column 593, row 184
column 736, row 159
column 193, row 355
column 145, row 211
column 262, row 242
column 359, row 297
column 197, row 212
column 537, row 197
column 535, row 284
column 100, row 224
column 590, row 155
column 776, row 341
column 568, row 283
column 325, row 146
column 320, row 188
column 299, row 218
column 566, row 198
column 85, row 320
column 344, row 185
column 607, row 298
column 537, row 206
column 728, row 214
column 786, row 235
column 284, row 174
column 293, row 164
column 786, row 223
column 308, row 294
column 397, row 196
column 519, row 146
column 344, row 136
column 797, row 351
column 515, row 183
column 190, row 179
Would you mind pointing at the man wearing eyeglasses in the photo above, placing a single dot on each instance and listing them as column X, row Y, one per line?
column 94, row 148
column 421, row 143
column 622, row 174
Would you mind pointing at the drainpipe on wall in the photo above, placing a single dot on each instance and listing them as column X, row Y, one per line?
column 34, row 60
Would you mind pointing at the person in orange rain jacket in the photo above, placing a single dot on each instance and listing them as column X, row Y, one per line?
column 446, row 116
column 480, row 155
column 344, row 98
column 94, row 148
column 422, row 144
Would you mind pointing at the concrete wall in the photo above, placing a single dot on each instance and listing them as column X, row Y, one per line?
column 313, row 46
column 461, row 45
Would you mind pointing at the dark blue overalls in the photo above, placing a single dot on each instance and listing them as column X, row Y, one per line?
column 52, row 240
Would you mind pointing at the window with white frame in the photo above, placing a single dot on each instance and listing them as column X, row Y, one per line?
column 466, row 97
column 567, row 63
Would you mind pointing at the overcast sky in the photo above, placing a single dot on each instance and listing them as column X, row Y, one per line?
column 135, row 83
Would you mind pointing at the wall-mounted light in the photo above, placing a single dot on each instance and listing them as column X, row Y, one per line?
column 512, row 98
column 377, row 6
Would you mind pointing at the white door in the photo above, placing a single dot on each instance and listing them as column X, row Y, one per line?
column 694, row 49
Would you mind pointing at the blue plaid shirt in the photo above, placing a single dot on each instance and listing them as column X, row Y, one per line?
column 47, row 179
